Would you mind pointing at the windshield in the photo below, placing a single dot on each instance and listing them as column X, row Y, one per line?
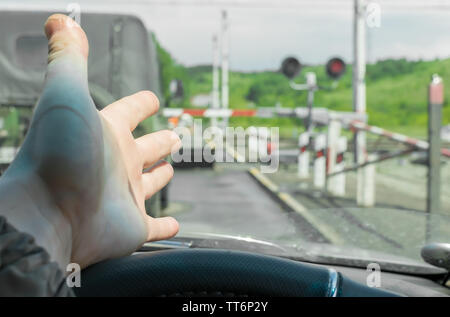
column 303, row 124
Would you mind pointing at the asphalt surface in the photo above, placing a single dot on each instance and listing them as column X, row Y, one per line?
column 230, row 201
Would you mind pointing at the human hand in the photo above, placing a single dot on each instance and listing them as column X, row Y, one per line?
column 77, row 184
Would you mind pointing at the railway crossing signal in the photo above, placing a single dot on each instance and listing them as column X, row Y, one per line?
column 291, row 67
column 335, row 67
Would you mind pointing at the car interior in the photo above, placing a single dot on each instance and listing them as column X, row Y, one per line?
column 189, row 267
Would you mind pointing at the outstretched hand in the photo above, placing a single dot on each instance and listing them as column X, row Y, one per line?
column 77, row 184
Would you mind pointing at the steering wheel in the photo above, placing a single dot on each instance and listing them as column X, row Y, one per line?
column 206, row 272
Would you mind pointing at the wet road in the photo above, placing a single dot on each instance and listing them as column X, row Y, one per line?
column 225, row 201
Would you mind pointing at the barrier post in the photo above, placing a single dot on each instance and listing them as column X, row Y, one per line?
column 339, row 179
column 311, row 82
column 359, row 96
column 225, row 65
column 319, row 161
column 215, row 88
column 334, row 130
column 368, row 191
column 303, row 155
column 435, row 101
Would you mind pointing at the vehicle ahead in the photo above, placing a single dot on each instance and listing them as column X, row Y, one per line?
column 122, row 60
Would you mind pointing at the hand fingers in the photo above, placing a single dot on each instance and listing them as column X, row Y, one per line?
column 155, row 179
column 161, row 228
column 131, row 110
column 156, row 146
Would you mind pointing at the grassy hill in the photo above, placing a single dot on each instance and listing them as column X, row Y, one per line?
column 396, row 92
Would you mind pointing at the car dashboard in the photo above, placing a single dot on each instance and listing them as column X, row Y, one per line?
column 226, row 267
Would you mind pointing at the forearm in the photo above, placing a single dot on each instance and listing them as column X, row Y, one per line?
column 28, row 207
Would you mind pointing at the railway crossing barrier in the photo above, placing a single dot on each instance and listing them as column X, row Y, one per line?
column 416, row 143
column 329, row 167
column 320, row 116
column 328, row 162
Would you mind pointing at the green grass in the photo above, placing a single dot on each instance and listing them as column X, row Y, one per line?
column 396, row 93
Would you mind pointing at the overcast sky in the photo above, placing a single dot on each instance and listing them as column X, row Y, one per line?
column 263, row 32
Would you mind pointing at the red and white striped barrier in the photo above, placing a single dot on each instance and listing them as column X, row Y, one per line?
column 319, row 115
column 420, row 144
column 209, row 113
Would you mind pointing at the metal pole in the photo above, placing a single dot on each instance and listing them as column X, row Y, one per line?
column 435, row 101
column 311, row 83
column 225, row 56
column 359, row 97
column 215, row 92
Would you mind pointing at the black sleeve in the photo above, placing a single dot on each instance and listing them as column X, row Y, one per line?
column 25, row 268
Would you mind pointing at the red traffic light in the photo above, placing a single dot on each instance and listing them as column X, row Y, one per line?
column 291, row 67
column 335, row 67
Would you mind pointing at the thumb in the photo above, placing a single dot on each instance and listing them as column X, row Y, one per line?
column 65, row 39
column 64, row 140
column 66, row 79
